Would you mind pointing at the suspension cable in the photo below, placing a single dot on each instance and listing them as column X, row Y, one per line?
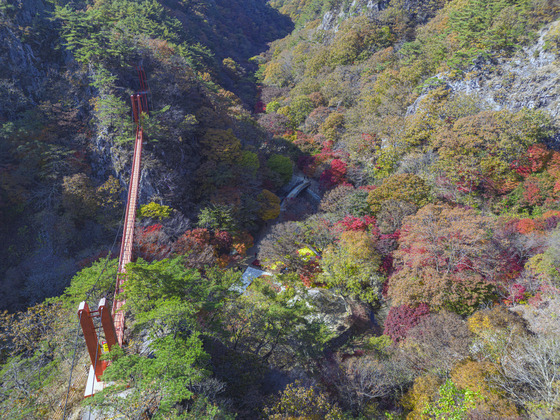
column 88, row 294
column 72, row 368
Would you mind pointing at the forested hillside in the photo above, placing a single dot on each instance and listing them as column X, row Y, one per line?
column 415, row 277
column 67, row 132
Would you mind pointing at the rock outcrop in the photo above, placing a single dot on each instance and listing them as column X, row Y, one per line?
column 530, row 79
column 418, row 11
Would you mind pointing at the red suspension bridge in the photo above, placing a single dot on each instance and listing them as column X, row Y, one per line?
column 112, row 322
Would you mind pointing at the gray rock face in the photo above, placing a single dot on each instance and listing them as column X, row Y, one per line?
column 28, row 10
column 543, row 317
column 331, row 309
column 333, row 18
column 531, row 79
column 22, row 74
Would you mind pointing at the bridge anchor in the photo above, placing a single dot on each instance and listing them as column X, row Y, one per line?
column 95, row 350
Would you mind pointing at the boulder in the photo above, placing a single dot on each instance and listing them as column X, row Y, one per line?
column 332, row 309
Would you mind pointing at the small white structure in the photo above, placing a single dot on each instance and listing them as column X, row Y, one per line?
column 93, row 386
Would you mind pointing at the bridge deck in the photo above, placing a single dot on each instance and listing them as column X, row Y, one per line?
column 128, row 235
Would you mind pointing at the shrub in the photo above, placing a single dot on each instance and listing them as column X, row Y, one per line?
column 154, row 211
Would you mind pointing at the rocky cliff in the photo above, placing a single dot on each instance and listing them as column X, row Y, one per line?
column 529, row 79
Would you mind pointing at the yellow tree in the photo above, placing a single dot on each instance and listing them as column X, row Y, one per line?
column 269, row 205
column 352, row 266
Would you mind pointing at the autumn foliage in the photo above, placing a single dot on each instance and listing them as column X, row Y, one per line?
column 404, row 187
column 403, row 318
column 151, row 243
column 335, row 175
column 446, row 259
column 269, row 205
